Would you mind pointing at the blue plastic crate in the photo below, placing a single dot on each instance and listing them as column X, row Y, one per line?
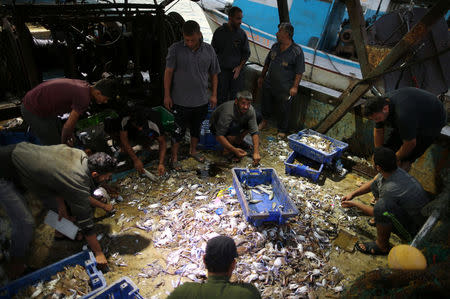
column 304, row 170
column 123, row 288
column 207, row 140
column 313, row 153
column 7, row 137
column 84, row 258
column 263, row 211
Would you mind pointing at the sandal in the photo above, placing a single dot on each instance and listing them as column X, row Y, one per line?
column 176, row 165
column 373, row 201
column 370, row 248
column 371, row 222
column 198, row 157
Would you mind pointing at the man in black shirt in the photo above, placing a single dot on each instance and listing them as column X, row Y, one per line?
column 142, row 125
column 231, row 45
column 416, row 117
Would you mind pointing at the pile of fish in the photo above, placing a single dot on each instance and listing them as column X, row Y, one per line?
column 73, row 282
column 288, row 261
column 261, row 190
column 317, row 142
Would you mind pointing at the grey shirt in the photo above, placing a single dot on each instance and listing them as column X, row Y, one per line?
column 228, row 114
column 191, row 71
column 415, row 112
column 283, row 67
column 58, row 170
column 231, row 46
column 403, row 189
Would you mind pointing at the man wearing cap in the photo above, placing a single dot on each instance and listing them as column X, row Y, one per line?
column 58, row 175
column 142, row 125
column 416, row 117
column 42, row 105
column 189, row 64
column 280, row 77
column 220, row 261
column 231, row 121
column 231, row 45
column 398, row 193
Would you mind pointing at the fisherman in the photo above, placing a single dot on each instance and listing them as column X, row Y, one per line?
column 284, row 67
column 231, row 45
column 188, row 64
column 398, row 193
column 232, row 121
column 42, row 105
column 220, row 261
column 416, row 117
column 58, row 175
column 142, row 125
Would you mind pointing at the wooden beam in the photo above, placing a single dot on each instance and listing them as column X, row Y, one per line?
column 359, row 34
column 283, row 11
column 416, row 34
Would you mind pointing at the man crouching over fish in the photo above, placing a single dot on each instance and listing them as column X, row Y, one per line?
column 220, row 261
column 58, row 175
column 231, row 121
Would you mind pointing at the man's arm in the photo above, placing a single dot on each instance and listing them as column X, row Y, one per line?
column 368, row 210
column 69, row 127
column 214, row 81
column 263, row 75
column 294, row 89
column 365, row 188
column 129, row 150
column 162, row 154
column 406, row 149
column 378, row 136
column 168, row 75
column 96, row 249
column 238, row 152
column 256, row 155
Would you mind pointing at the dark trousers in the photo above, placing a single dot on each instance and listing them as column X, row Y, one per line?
column 276, row 103
column 228, row 87
column 188, row 117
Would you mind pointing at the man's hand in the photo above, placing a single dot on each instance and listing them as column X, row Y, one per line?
column 213, row 101
column 62, row 211
column 293, row 91
column 256, row 158
column 347, row 204
column 236, row 72
column 139, row 166
column 239, row 152
column 67, row 137
column 260, row 81
column 347, row 197
column 168, row 103
column 161, row 169
column 101, row 260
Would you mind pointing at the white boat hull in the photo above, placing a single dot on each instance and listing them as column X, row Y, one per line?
column 323, row 72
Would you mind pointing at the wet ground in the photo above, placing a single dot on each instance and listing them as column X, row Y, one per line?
column 157, row 235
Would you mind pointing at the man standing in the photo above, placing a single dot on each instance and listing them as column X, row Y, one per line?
column 42, row 105
column 57, row 175
column 416, row 116
column 189, row 63
column 231, row 121
column 398, row 193
column 284, row 67
column 142, row 125
column 220, row 261
column 231, row 45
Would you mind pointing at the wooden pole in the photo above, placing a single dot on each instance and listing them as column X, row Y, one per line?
column 283, row 11
column 415, row 35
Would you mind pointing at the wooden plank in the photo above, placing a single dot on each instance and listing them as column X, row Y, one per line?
column 358, row 25
column 416, row 34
